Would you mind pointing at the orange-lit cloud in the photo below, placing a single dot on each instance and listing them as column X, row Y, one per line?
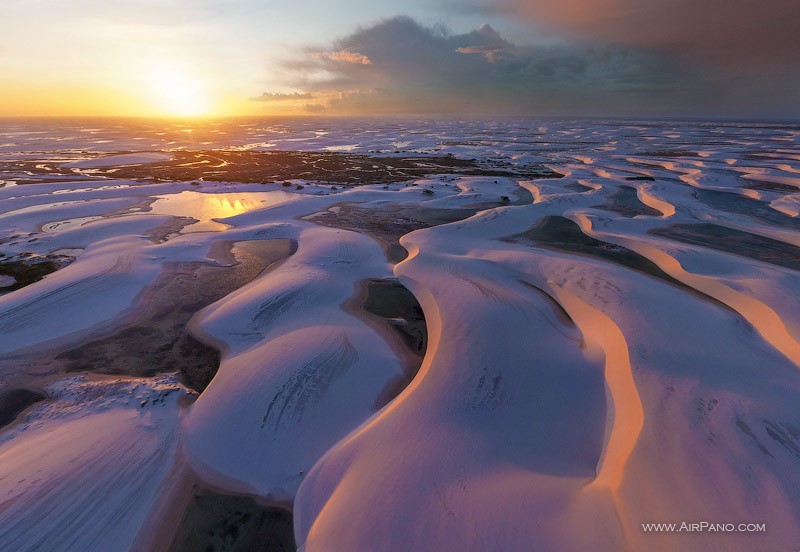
column 492, row 53
column 282, row 97
column 344, row 56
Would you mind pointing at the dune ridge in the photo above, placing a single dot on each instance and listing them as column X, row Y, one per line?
column 599, row 356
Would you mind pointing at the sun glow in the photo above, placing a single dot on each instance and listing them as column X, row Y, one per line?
column 176, row 92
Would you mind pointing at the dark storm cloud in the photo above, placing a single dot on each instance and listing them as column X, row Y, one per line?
column 411, row 68
column 730, row 36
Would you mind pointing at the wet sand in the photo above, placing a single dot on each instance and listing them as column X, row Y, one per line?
column 156, row 339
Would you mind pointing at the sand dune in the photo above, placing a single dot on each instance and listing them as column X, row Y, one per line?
column 614, row 347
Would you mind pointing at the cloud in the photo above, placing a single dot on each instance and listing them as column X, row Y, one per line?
column 282, row 97
column 314, row 108
column 417, row 69
column 344, row 56
column 492, row 53
column 732, row 36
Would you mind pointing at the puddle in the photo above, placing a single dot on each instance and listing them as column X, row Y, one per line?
column 157, row 340
column 749, row 207
column 207, row 207
column 626, row 202
column 224, row 523
column 733, row 241
column 393, row 302
column 562, row 234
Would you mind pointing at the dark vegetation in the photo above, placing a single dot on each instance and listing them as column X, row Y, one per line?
column 338, row 168
column 25, row 272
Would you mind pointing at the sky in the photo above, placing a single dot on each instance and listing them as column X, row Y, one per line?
column 212, row 58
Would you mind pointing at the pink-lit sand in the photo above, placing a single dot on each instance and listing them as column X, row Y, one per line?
column 564, row 399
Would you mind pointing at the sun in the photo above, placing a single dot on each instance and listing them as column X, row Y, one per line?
column 177, row 93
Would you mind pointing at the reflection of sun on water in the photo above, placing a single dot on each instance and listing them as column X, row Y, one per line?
column 223, row 207
column 207, row 207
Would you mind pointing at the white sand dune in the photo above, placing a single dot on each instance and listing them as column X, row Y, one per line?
column 630, row 321
column 621, row 349
column 88, row 471
column 307, row 372
column 95, row 290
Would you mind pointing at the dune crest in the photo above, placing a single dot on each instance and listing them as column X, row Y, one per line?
column 456, row 335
